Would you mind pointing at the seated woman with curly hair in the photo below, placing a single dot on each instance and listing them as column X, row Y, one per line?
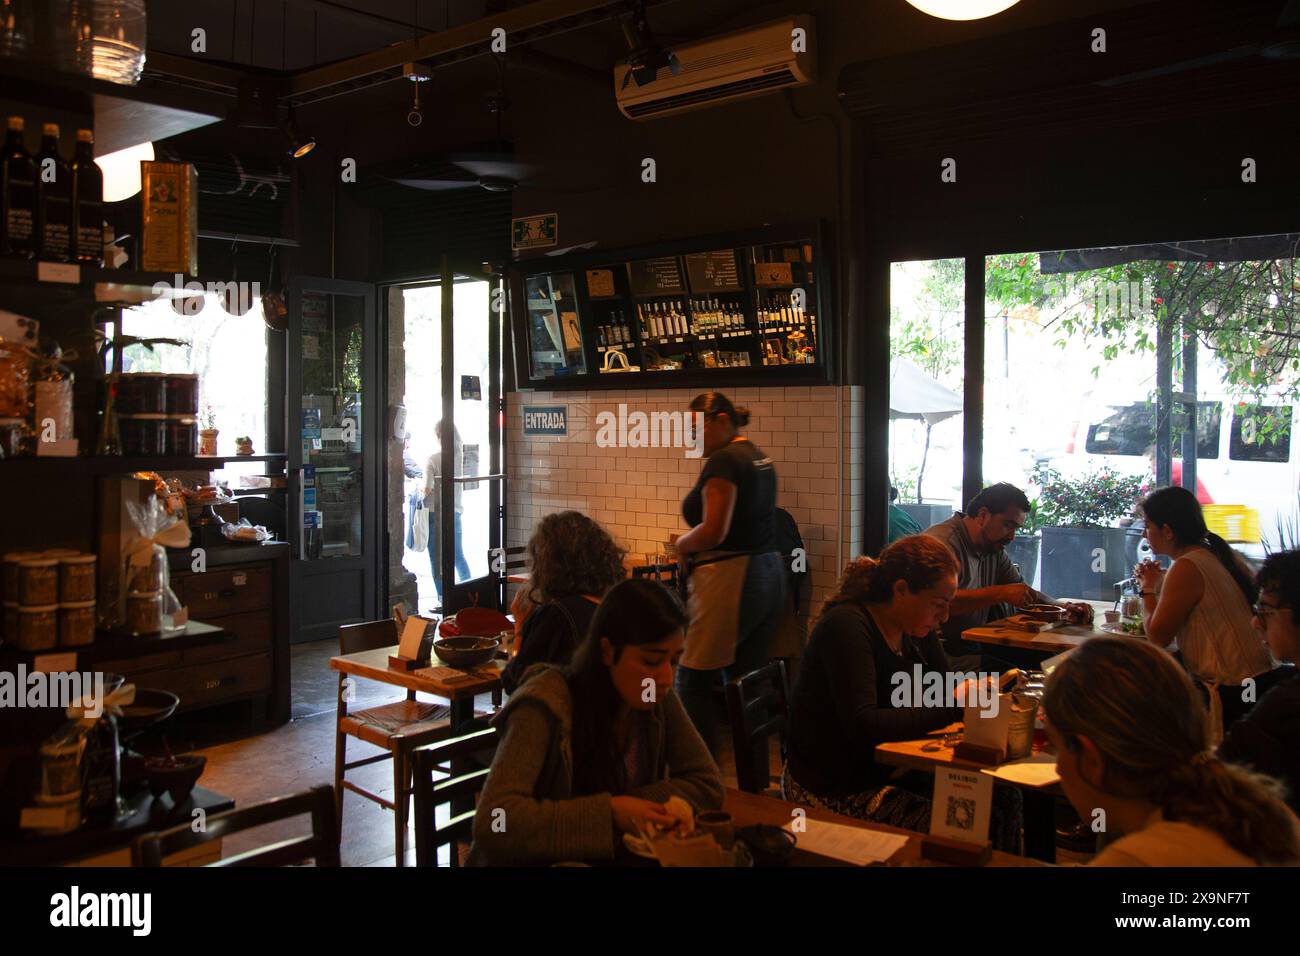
column 572, row 563
column 875, row 634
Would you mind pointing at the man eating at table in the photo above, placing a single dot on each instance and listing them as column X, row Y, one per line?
column 989, row 585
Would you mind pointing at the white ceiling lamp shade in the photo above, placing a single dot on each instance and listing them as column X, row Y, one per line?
column 962, row 9
column 122, row 171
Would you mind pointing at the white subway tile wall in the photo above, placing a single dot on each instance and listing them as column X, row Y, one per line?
column 811, row 433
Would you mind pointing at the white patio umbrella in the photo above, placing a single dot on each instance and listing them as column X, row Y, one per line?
column 914, row 395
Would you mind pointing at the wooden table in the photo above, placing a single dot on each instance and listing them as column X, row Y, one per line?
column 373, row 665
column 748, row 809
column 1040, row 801
column 1055, row 641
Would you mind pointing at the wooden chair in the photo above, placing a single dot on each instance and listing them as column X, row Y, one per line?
column 322, row 845
column 398, row 728
column 758, row 704
column 666, row 574
column 464, row 760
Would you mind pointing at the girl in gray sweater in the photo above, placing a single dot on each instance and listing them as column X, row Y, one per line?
column 592, row 750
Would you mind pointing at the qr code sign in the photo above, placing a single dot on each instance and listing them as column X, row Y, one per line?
column 961, row 813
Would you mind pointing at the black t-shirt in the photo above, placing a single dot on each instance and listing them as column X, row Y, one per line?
column 842, row 705
column 744, row 465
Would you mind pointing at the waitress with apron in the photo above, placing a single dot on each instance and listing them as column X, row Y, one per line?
column 734, row 571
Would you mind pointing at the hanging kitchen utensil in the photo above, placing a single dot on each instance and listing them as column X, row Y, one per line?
column 274, row 311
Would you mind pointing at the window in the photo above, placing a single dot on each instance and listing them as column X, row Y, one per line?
column 1131, row 430
column 1260, row 433
column 228, row 352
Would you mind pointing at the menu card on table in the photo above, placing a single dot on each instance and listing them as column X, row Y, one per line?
column 856, row 845
column 963, row 804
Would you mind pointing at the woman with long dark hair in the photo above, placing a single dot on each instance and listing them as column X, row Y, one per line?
column 1204, row 602
column 875, row 638
column 593, row 750
column 736, row 577
column 1132, row 742
column 572, row 562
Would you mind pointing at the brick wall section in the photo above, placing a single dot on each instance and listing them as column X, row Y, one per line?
column 811, row 433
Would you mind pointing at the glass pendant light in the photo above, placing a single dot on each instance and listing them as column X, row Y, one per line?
column 962, row 9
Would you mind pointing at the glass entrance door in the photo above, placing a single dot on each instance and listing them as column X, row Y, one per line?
column 449, row 332
column 333, row 456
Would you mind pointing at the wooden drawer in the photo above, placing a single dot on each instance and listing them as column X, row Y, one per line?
column 219, row 681
column 226, row 591
column 252, row 632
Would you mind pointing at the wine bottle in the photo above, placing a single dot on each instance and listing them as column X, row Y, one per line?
column 87, row 203
column 17, row 195
column 53, row 199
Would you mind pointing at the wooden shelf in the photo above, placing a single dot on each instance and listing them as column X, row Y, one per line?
column 89, row 282
column 116, row 464
column 108, row 646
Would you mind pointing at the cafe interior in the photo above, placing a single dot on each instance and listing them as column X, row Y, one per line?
column 919, row 373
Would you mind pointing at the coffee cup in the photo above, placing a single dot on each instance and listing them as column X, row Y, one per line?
column 718, row 825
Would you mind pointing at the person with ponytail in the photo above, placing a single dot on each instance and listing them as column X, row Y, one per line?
column 1132, row 743
column 1204, row 602
column 876, row 636
column 735, row 575
column 594, row 750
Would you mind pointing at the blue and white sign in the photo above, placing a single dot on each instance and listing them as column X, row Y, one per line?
column 546, row 419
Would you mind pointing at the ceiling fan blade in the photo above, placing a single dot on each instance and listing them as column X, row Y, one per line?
column 437, row 185
column 1213, row 59
column 497, row 168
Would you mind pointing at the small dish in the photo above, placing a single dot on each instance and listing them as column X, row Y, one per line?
column 466, row 652
column 1047, row 613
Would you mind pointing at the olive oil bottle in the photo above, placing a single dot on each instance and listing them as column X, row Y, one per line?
column 53, row 199
column 17, row 195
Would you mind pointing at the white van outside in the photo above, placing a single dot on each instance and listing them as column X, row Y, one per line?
column 1247, row 468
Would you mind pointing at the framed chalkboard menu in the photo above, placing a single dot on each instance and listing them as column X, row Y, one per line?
column 661, row 276
column 748, row 306
column 713, row 271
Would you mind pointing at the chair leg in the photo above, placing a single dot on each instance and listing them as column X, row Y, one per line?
column 401, row 801
column 340, row 756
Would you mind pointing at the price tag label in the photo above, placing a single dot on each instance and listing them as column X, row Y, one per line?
column 55, row 663
column 58, row 272
column 239, row 580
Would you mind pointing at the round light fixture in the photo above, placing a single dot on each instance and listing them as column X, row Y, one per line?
column 962, row 9
column 122, row 171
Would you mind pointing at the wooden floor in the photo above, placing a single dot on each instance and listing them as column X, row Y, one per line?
column 300, row 754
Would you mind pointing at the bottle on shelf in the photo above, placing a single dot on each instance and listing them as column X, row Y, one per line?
column 53, row 199
column 87, row 203
column 17, row 195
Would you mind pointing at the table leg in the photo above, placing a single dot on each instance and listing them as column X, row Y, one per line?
column 1040, row 825
column 462, row 711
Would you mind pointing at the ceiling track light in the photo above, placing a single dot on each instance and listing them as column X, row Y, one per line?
column 298, row 144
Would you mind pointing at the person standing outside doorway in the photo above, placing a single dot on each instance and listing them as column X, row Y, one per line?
column 735, row 574
column 433, row 502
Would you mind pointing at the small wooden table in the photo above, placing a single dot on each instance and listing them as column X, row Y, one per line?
column 1054, row 641
column 373, row 665
column 748, row 809
column 1040, row 801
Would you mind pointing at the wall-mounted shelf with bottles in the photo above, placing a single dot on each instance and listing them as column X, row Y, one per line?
column 738, row 306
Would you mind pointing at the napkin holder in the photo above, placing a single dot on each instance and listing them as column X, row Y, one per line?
column 415, row 647
column 955, row 852
column 984, row 739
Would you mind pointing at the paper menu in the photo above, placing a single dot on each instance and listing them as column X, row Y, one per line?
column 1036, row 771
column 412, row 634
column 963, row 802
column 857, row 845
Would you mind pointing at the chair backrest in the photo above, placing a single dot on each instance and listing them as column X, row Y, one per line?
column 465, row 761
column 758, row 704
column 367, row 636
column 322, row 845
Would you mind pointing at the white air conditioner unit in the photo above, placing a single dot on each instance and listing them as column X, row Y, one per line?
column 772, row 56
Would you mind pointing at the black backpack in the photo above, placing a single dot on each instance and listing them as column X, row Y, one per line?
column 787, row 540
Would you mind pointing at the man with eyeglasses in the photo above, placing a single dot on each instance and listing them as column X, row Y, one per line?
column 1268, row 738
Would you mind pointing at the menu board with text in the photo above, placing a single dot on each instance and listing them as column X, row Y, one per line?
column 662, row 276
column 713, row 271
column 600, row 283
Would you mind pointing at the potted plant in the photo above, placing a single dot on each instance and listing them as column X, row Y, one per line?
column 243, row 445
column 208, row 433
column 1024, row 550
column 1082, row 553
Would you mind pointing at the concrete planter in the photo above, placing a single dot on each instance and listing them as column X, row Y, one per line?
column 1083, row 563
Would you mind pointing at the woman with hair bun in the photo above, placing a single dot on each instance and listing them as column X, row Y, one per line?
column 1132, row 741
column 879, row 630
column 730, row 554
column 1204, row 602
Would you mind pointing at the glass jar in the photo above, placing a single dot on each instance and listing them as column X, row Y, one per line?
column 10, row 632
column 13, row 432
column 11, row 562
column 142, row 434
column 77, row 579
column 181, row 394
column 77, row 624
column 15, row 378
column 144, row 612
column 38, row 582
column 38, row 628
column 181, row 435
column 61, row 769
